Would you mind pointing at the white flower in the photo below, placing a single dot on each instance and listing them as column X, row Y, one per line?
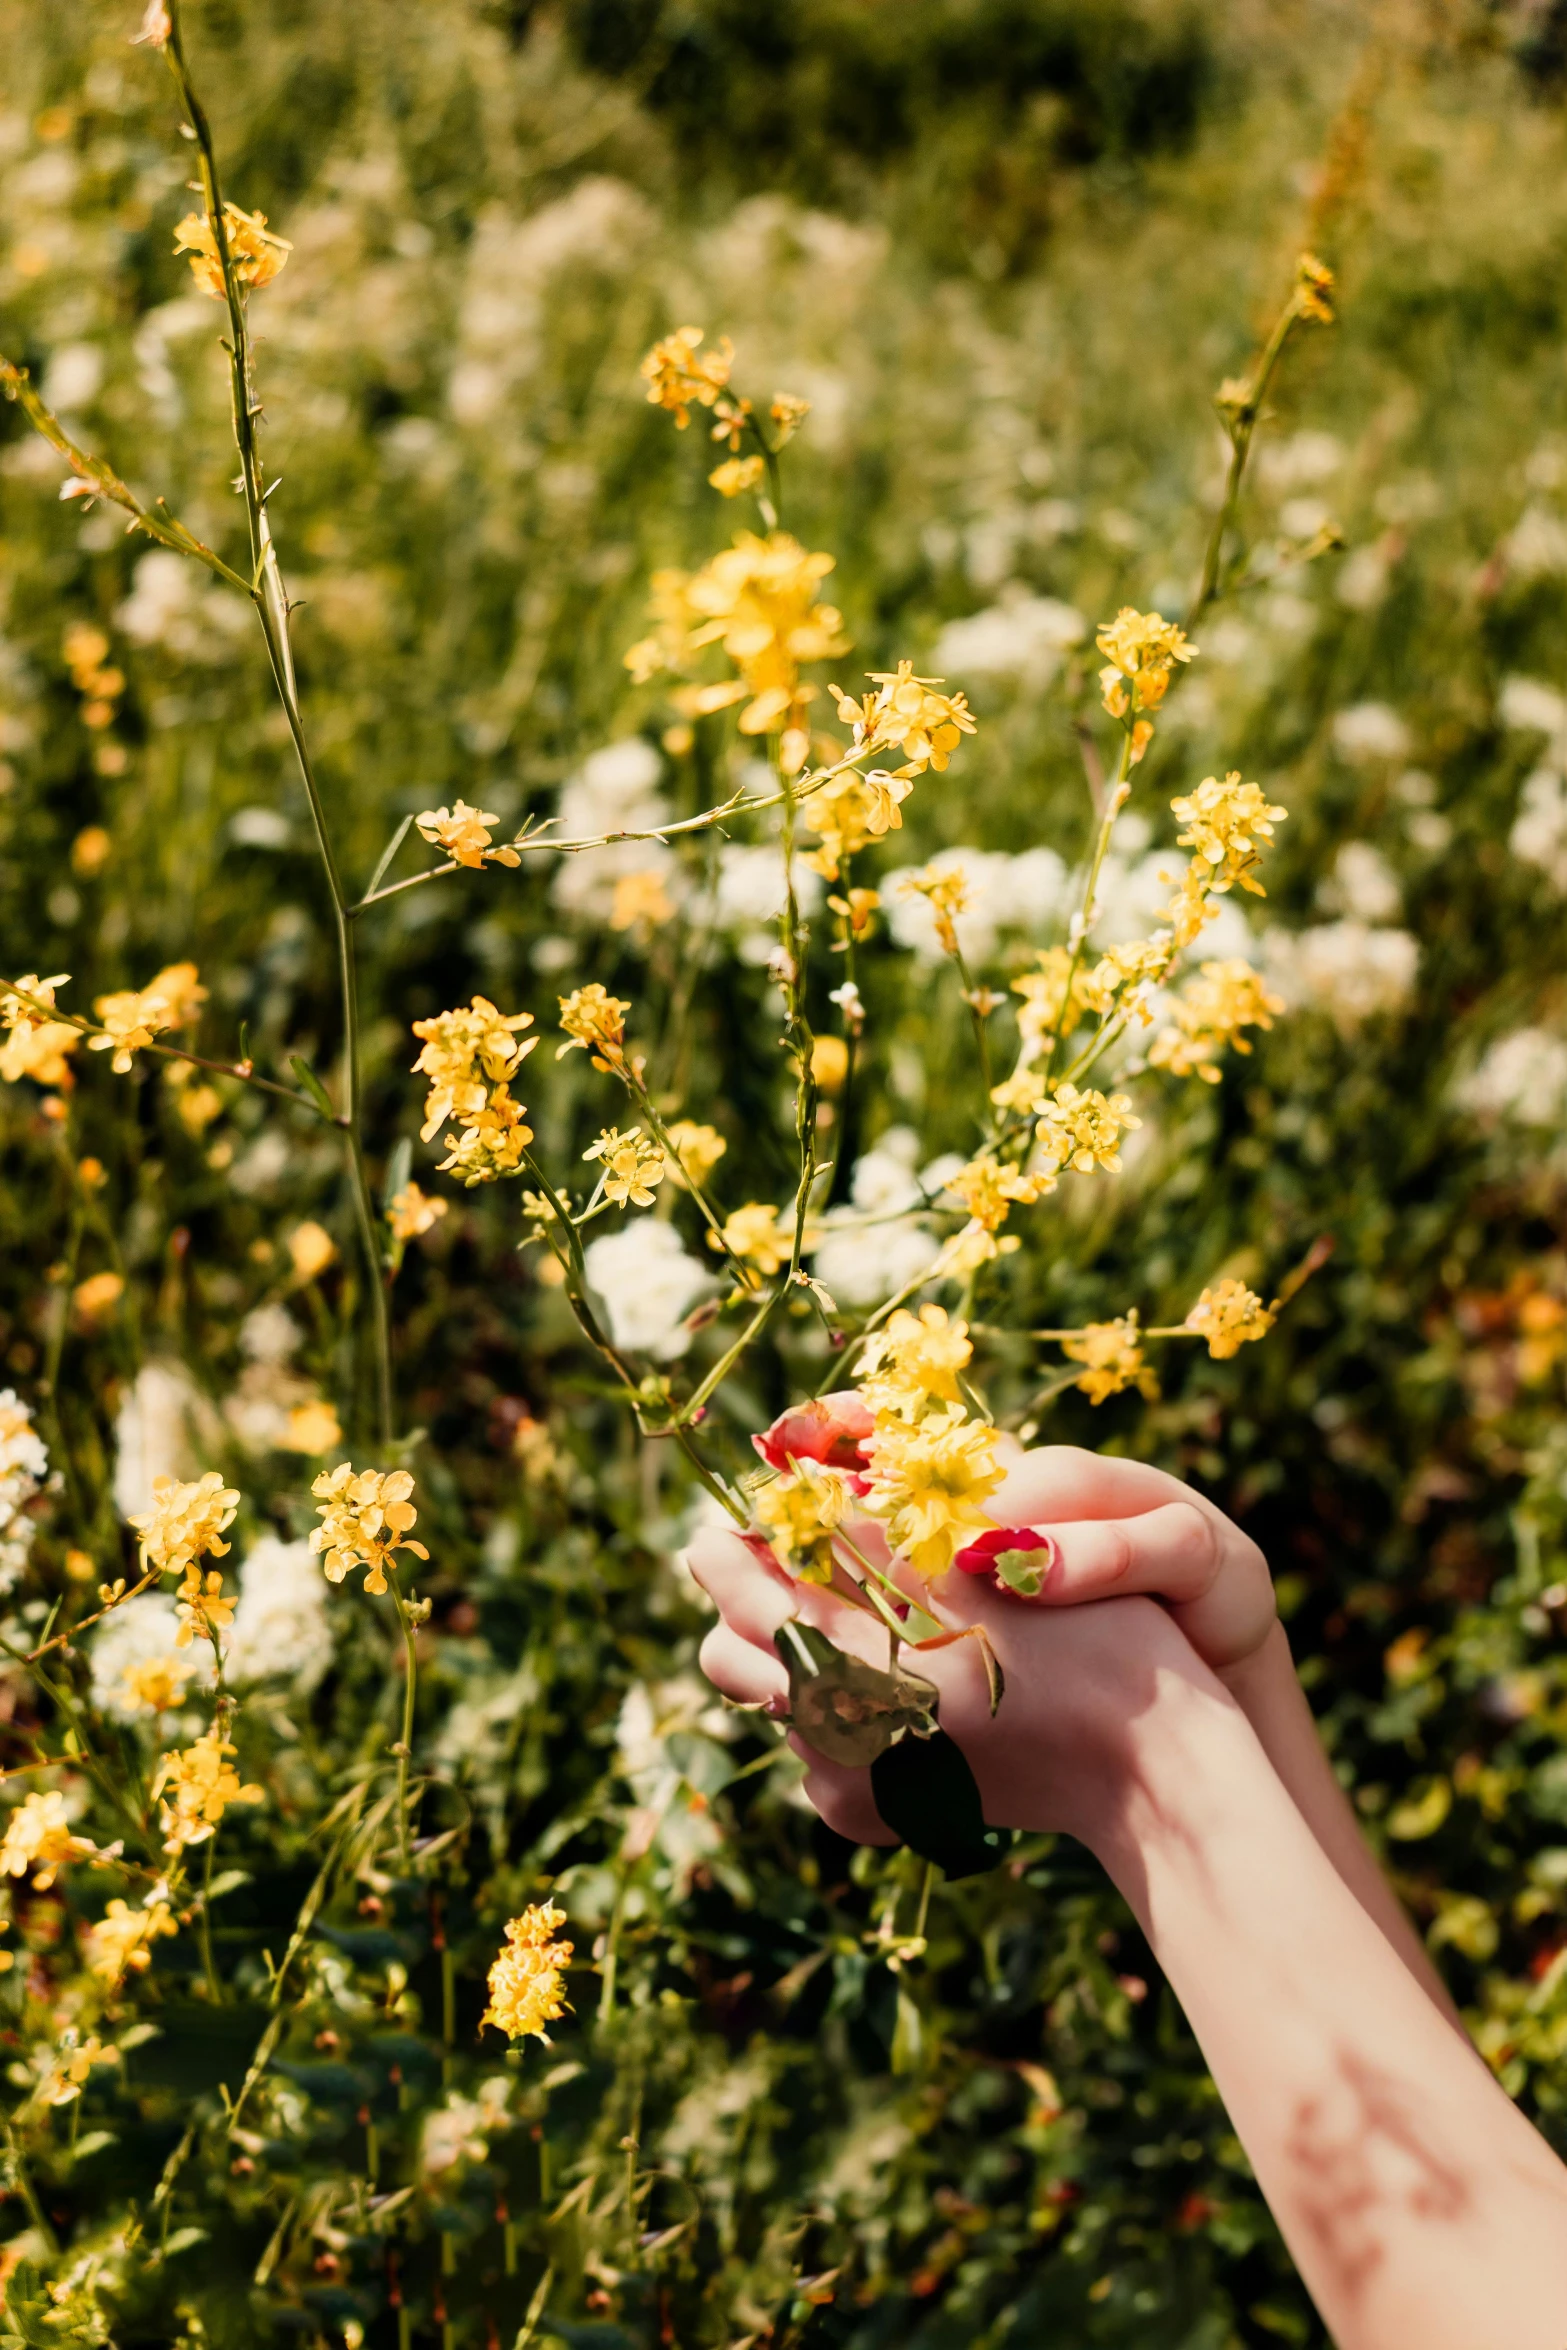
column 1533, row 708
column 23, row 1465
column 171, row 605
column 1021, row 636
column 282, row 1628
column 139, row 1631
column 1135, row 890
column 1346, row 969
column 614, row 790
column 1536, row 546
column 884, row 1182
column 1026, row 892
column 860, row 1264
column 1370, row 731
column 1539, row 833
column 647, row 1284
column 269, row 1334
column 1302, row 462
column 514, row 266
column 671, row 1783
column 1522, row 1076
column 165, row 1428
column 1362, row 883
column 460, row 2130
column 749, row 896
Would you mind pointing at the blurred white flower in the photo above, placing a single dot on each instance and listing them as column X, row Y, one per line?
column 24, row 1464
column 647, row 1284
column 1536, row 546
column 139, row 1632
column 71, row 381
column 1020, row 636
column 165, row 1428
column 1370, row 730
column 1027, row 892
column 171, row 605
column 749, row 896
column 1522, row 1076
column 460, row 2130
column 1539, row 833
column 1362, row 883
column 513, row 268
column 1346, row 969
column 282, row 1628
column 862, row 1264
column 672, row 1782
column 614, row 790
column 1531, row 707
column 884, row 1182
column 269, row 1334
column 1304, row 461
column 1135, row 891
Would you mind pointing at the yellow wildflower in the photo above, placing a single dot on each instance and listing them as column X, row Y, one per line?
column 178, row 986
column 914, row 1361
column 122, row 1939
column 311, row 1429
column 908, row 712
column 1226, row 824
column 255, row 254
column 736, row 475
column 829, row 1062
column 466, row 1055
column 676, row 377
column 1313, row 289
column 525, row 1981
column 946, row 892
column 633, row 1166
column 311, row 1249
column 131, row 1018
column 730, row 418
column 639, row 898
column 94, row 1300
column 788, row 412
column 929, row 1483
column 365, row 1518
column 1044, row 993
column 1189, row 910
column 1083, row 1130
column 35, row 1046
column 858, row 911
column 850, row 811
column 69, row 2071
column 1113, row 1355
column 185, row 1522
column 1227, row 1315
column 412, row 1212
column 464, row 834
column 596, row 1020
column 490, row 1145
column 800, row 1514
column 989, row 1191
column 38, row 1837
column 757, row 601
column 200, row 1785
column 1226, row 998
column 205, row 1611
column 1141, row 651
column 158, row 1683
column 698, row 1148
column 1121, row 978
column 755, row 1235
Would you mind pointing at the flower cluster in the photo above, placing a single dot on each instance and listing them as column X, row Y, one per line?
column 595, row 1020
column 698, row 1149
column 24, row 1462
column 185, row 1523
column 801, row 1513
column 255, row 254
column 849, row 811
column 365, row 1517
column 133, row 1017
column 1141, row 653
column 1112, row 1356
column 908, row 714
column 1083, row 1130
column 633, row 1166
column 1229, row 1314
column 525, row 1980
column 1225, row 998
column 121, row 1942
column 1226, row 825
column 38, row 1836
column 35, row 1046
column 677, row 378
column 412, row 1212
column 945, row 890
column 199, row 1784
column 470, row 1057
column 463, row 833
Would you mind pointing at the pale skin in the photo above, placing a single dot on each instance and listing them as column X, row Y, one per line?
column 1152, row 1711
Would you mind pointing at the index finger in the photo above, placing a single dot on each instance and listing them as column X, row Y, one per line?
column 1064, row 1484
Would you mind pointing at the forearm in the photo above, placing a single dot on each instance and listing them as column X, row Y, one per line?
column 1419, row 2205
column 1265, row 1687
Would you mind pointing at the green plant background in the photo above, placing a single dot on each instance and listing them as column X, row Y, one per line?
column 1009, row 250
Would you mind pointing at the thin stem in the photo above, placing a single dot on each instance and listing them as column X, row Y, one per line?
column 1116, row 801
column 170, row 1052
column 214, row 1987
column 27, row 2191
column 1242, row 430
column 405, row 1743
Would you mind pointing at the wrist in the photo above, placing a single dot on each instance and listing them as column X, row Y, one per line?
column 1170, row 1762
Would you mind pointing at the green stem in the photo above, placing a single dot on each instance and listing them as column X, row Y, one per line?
column 27, row 2191
column 1242, row 430
column 405, row 1743
column 1112, row 809
column 214, row 1987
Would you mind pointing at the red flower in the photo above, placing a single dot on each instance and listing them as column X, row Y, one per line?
column 830, row 1428
column 1012, row 1544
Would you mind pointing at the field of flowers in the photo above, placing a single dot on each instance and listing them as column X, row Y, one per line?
column 407, row 1221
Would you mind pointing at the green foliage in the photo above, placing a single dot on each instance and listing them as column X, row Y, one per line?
column 1008, row 254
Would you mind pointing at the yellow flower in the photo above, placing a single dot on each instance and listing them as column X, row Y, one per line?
column 178, row 986
column 676, row 377
column 1141, row 650
column 1113, row 1354
column 255, row 254
column 850, row 811
column 914, row 1362
column 35, row 1046
column 633, row 1166
column 736, row 475
column 1123, row 975
column 204, row 1610
column 311, row 1249
column 467, row 1055
column 490, row 1145
column 201, row 1785
column 596, row 1020
column 858, row 911
column 1044, row 994
column 131, row 1018
column 365, row 1519
column 947, row 894
column 730, row 418
column 312, row 1429
column 989, row 1191
column 38, row 1837
column 698, row 1148
column 122, row 1939
column 926, row 726
column 94, row 1300
column 640, row 898
column 1189, row 910
column 158, row 1683
column 69, row 2072
column 1083, row 1130
column 1227, row 1315
column 800, row 1514
column 464, row 834
column 1211, row 1014
column 525, row 1981
column 829, row 1062
column 929, row 1483
column 755, row 1235
column 1226, row 824
column 411, row 1213
column 1313, row 289
column 186, row 1522
column 788, row 412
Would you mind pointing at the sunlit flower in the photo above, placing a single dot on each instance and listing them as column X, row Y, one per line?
column 698, row 1148
column 829, row 1062
column 1313, row 289
column 365, row 1518
column 69, row 2071
column 1215, row 1007
column 38, row 1837
column 311, row 1249
column 800, row 1514
column 596, row 1020
column 946, row 891
column 186, row 1522
column 730, row 418
column 489, row 1145
column 754, row 1234
column 311, row 1428
column 1141, row 651
column 849, row 811
column 832, row 1429
column 736, row 475
column 1226, row 826
column 908, row 712
column 156, row 1683
column 633, row 1166
column 677, row 377
column 1123, row 975
column 255, row 254
column 94, row 1300
column 914, row 1362
column 929, row 1482
column 131, row 1018
column 205, row 1610
column 411, row 1213
column 788, row 412
column 1083, row 1130
column 466, row 1055
column 640, row 898
column 1227, row 1315
column 757, row 601
column 1044, row 993
column 1113, row 1355
column 35, row 1046
column 525, row 1980
column 989, row 1190
column 122, row 1940
column 199, row 1785
column 464, row 834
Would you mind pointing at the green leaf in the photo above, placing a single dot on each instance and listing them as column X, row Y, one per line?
column 398, row 1169
column 314, row 1087
column 849, row 1711
column 925, row 1790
